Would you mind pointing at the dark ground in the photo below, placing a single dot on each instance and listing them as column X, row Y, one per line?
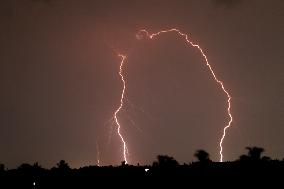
column 229, row 174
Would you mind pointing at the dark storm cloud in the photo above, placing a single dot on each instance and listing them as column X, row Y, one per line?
column 227, row 3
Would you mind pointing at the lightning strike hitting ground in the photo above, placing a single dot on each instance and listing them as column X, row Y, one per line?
column 98, row 154
column 119, row 108
column 140, row 35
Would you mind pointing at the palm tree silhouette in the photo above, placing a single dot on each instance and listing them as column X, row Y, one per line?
column 254, row 154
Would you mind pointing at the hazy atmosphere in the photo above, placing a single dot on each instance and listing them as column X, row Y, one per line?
column 60, row 82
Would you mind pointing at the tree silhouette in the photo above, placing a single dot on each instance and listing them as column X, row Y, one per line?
column 156, row 164
column 123, row 163
column 202, row 156
column 164, row 170
column 36, row 166
column 62, row 165
column 2, row 167
column 254, row 154
column 166, row 161
column 25, row 166
column 266, row 158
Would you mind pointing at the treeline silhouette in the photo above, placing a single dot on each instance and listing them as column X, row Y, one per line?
column 253, row 168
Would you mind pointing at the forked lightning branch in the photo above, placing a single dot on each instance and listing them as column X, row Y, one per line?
column 144, row 33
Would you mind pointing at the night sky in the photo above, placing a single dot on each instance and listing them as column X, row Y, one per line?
column 59, row 82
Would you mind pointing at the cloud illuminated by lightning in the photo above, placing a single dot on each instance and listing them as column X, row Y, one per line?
column 140, row 35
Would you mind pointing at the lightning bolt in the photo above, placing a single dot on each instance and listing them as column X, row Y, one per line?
column 123, row 57
column 98, row 153
column 140, row 35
